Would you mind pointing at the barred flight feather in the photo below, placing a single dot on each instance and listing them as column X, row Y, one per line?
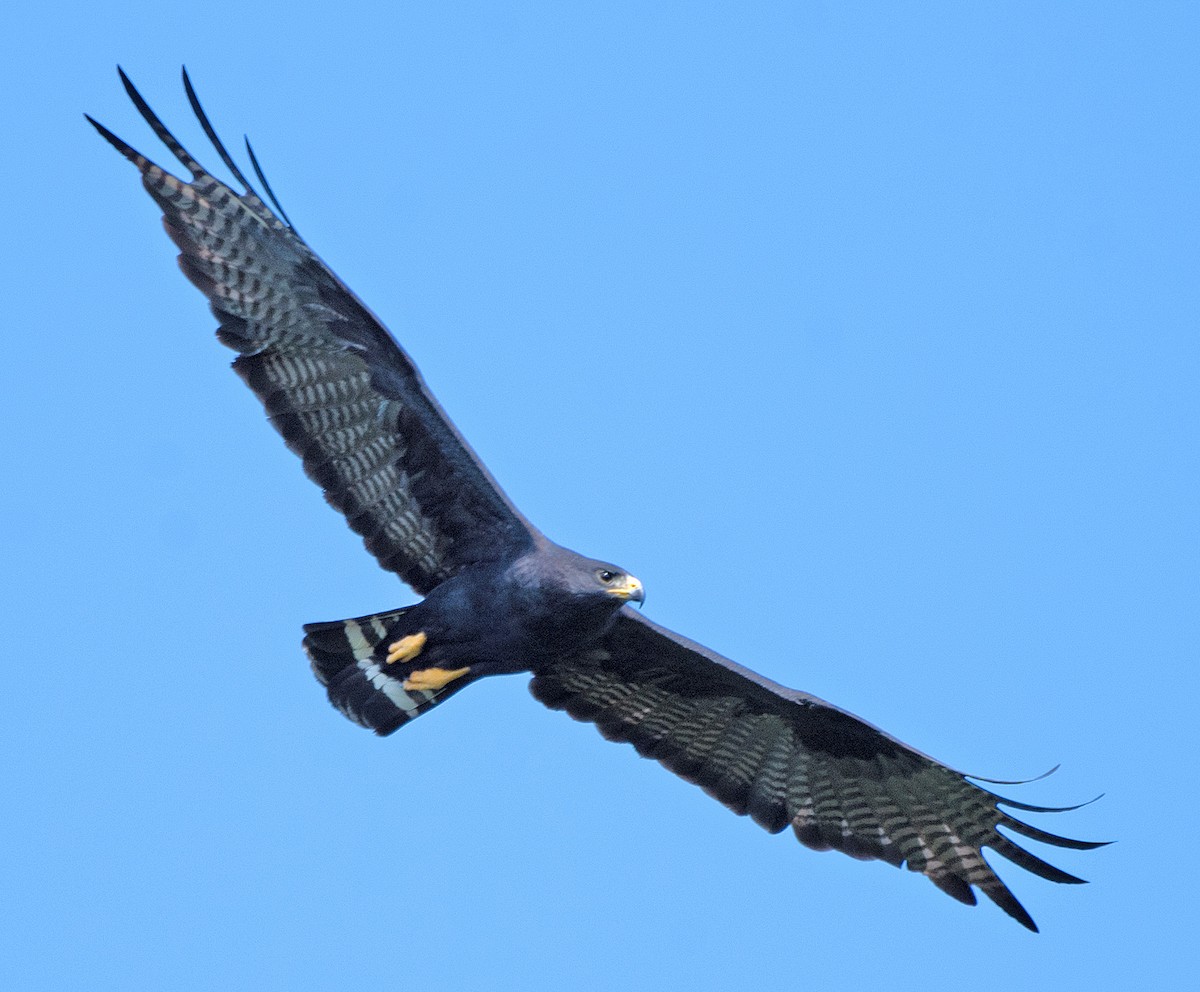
column 340, row 390
column 789, row 758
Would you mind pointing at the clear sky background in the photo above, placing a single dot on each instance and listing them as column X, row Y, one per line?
column 865, row 334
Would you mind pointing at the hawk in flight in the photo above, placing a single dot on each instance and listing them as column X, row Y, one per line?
column 499, row 597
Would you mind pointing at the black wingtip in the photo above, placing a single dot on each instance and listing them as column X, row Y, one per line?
column 1030, row 808
column 134, row 156
column 1002, row 896
column 133, row 94
column 266, row 185
column 1015, row 781
column 158, row 127
column 211, row 132
column 1021, row 915
column 108, row 136
column 1045, row 837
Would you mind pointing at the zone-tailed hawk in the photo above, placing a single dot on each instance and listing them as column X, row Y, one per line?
column 499, row 597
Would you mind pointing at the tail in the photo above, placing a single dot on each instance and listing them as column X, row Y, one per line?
column 346, row 660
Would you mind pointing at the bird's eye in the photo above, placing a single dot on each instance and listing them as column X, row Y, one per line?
column 606, row 576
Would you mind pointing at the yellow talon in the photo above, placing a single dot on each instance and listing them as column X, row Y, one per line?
column 432, row 679
column 406, row 648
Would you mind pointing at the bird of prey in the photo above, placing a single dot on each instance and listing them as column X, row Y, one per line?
column 499, row 597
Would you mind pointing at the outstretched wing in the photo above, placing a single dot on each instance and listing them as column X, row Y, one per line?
column 787, row 758
column 336, row 385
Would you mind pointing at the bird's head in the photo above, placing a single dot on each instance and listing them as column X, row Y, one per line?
column 600, row 584
column 612, row 581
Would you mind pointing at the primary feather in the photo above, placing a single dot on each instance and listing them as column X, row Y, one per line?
column 335, row 383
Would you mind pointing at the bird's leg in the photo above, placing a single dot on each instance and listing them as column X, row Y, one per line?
column 432, row 679
column 407, row 648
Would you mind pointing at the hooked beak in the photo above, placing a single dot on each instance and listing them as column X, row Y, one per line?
column 630, row 590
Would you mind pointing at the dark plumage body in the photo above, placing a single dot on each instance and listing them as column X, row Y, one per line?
column 499, row 597
column 513, row 616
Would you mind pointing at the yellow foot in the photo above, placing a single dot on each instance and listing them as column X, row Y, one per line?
column 406, row 648
column 432, row 679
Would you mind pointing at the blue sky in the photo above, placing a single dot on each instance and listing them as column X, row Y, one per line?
column 865, row 334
